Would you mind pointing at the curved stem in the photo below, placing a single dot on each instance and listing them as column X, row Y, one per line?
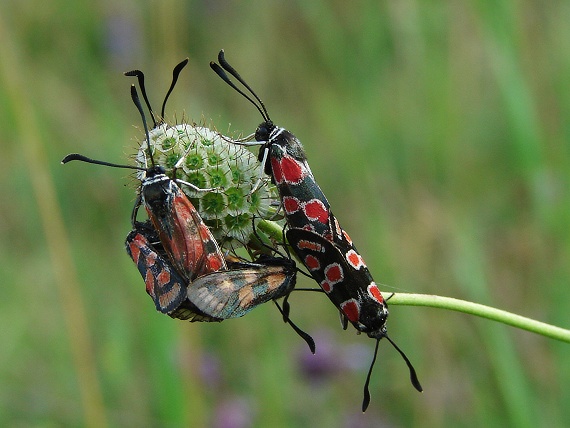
column 482, row 311
column 449, row 303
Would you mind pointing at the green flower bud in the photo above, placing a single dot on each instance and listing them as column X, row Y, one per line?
column 209, row 160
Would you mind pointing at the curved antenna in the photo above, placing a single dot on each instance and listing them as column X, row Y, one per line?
column 224, row 65
column 140, row 76
column 413, row 376
column 366, row 400
column 305, row 336
column 78, row 157
column 137, row 102
column 175, row 74
column 81, row 158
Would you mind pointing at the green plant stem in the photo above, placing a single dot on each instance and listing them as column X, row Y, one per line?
column 483, row 311
column 449, row 303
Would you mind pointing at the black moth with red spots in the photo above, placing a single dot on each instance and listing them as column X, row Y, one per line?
column 184, row 270
column 164, row 284
column 206, row 295
column 313, row 232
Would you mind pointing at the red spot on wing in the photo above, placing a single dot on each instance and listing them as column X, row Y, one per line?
column 291, row 204
column 163, row 277
column 375, row 292
column 334, row 273
column 291, row 170
column 149, row 281
column 355, row 259
column 351, row 309
column 316, row 210
column 138, row 243
column 150, row 259
column 312, row 262
column 346, row 236
column 303, row 244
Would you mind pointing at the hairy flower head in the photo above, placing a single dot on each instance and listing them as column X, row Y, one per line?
column 228, row 172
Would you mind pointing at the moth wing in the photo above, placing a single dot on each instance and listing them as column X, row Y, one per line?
column 188, row 242
column 163, row 284
column 344, row 277
column 328, row 265
column 233, row 293
column 213, row 258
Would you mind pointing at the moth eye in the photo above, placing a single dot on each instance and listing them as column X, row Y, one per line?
column 262, row 133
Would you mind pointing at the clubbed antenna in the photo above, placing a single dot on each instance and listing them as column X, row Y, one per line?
column 137, row 102
column 224, row 65
column 305, row 336
column 413, row 376
column 175, row 74
column 78, row 157
column 140, row 76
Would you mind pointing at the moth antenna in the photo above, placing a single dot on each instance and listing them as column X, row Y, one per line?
column 302, row 272
column 78, row 157
column 140, row 76
column 220, row 72
column 305, row 336
column 175, row 74
column 413, row 376
column 366, row 400
column 137, row 102
column 224, row 65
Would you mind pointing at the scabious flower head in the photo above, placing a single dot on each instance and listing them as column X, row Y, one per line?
column 209, row 160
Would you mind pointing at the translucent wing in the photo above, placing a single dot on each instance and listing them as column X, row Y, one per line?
column 233, row 293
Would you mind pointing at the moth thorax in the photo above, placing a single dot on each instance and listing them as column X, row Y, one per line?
column 157, row 190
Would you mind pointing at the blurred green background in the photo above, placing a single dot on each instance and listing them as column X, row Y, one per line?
column 439, row 132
